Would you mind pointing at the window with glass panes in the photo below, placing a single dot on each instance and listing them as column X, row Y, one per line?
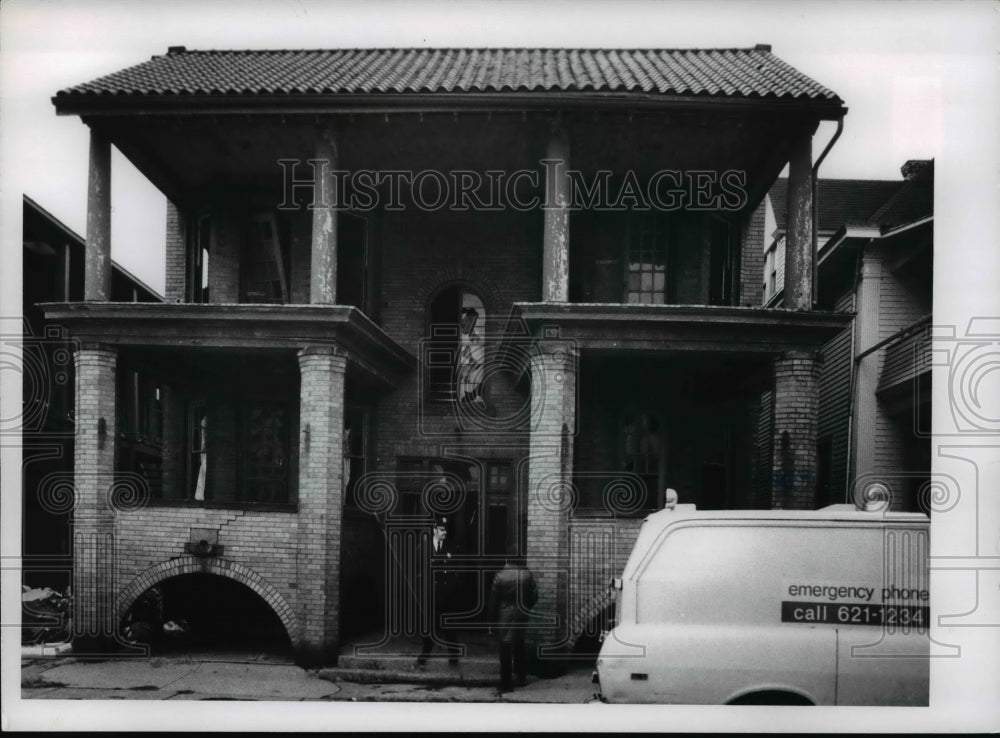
column 646, row 276
column 642, row 449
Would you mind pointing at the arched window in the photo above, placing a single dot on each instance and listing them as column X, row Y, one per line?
column 454, row 356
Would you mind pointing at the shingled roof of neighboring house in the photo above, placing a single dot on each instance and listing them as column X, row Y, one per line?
column 716, row 73
column 840, row 201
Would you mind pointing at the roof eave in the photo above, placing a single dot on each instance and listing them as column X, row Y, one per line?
column 349, row 103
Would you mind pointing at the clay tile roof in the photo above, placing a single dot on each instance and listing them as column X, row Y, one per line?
column 745, row 73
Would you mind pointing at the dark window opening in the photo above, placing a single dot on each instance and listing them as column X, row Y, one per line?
column 454, row 356
column 352, row 260
column 263, row 264
column 356, row 432
column 642, row 453
column 238, row 454
column 139, row 447
column 264, row 453
column 723, row 263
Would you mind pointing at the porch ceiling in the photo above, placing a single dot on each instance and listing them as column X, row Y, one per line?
column 682, row 328
column 196, row 156
column 246, row 327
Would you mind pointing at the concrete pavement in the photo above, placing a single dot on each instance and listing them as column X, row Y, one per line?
column 249, row 677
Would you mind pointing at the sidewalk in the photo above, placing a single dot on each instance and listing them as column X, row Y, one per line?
column 253, row 677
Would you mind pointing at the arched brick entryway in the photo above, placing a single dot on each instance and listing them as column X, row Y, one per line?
column 221, row 567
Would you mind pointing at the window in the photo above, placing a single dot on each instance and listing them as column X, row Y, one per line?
column 454, row 357
column 646, row 276
column 770, row 272
column 140, row 428
column 500, row 506
column 238, row 453
column 264, row 452
column 642, row 453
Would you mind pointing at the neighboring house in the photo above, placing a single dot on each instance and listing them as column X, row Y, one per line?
column 53, row 267
column 875, row 259
column 550, row 320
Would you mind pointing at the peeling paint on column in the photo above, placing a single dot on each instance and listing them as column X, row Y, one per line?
column 555, row 267
column 799, row 251
column 97, row 266
column 323, row 278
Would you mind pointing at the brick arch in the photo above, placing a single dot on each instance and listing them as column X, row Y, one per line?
column 477, row 281
column 220, row 567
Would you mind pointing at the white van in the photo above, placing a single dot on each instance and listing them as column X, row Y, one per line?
column 823, row 607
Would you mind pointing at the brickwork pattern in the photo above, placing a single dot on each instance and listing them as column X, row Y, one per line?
column 599, row 550
column 258, row 550
column 550, row 492
column 224, row 258
column 175, row 288
column 320, row 499
column 796, row 405
column 752, row 258
column 498, row 256
column 94, row 463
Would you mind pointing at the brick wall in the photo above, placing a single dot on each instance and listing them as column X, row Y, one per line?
column 262, row 542
column 224, row 257
column 796, row 399
column 496, row 255
column 599, row 549
column 174, row 283
column 752, row 258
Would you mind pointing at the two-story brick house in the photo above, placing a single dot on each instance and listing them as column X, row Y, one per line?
column 506, row 286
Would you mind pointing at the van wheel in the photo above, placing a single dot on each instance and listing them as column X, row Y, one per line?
column 771, row 697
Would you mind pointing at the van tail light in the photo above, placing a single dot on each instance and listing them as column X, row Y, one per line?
column 616, row 583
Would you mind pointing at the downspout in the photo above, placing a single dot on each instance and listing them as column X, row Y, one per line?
column 848, row 477
column 815, row 208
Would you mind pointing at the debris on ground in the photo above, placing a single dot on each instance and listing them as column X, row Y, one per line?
column 46, row 615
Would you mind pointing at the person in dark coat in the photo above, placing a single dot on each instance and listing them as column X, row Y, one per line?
column 512, row 595
column 434, row 553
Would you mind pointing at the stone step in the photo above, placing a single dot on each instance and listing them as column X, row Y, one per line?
column 467, row 677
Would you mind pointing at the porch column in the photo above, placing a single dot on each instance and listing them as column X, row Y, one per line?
column 550, row 497
column 323, row 278
column 555, row 250
column 796, row 408
column 866, row 324
column 93, row 521
column 175, row 281
column 97, row 265
column 799, row 233
column 321, row 432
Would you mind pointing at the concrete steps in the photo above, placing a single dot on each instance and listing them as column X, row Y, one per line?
column 374, row 661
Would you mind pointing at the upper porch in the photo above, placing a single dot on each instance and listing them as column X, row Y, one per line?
column 615, row 177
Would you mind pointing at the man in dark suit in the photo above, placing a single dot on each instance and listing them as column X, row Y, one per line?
column 434, row 555
column 513, row 594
